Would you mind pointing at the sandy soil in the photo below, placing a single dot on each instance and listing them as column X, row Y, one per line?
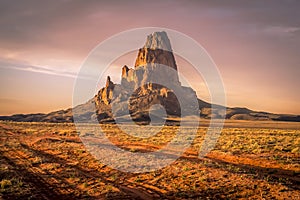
column 250, row 161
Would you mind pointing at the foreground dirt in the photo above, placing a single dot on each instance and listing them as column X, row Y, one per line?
column 250, row 161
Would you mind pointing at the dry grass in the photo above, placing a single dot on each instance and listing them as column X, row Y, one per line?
column 250, row 161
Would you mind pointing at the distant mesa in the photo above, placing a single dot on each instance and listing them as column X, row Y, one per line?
column 153, row 80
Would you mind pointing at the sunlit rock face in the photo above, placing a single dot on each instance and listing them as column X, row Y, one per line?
column 157, row 49
column 153, row 80
column 106, row 93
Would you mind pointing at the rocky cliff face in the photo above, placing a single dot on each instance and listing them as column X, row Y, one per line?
column 153, row 80
column 157, row 49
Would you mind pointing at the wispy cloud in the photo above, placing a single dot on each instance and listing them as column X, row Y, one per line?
column 281, row 30
column 37, row 69
column 40, row 69
column 5, row 101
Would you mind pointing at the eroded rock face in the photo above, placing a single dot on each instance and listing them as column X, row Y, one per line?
column 159, row 56
column 153, row 80
column 105, row 94
column 157, row 51
column 158, row 40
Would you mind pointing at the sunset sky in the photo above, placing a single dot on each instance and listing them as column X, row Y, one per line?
column 255, row 44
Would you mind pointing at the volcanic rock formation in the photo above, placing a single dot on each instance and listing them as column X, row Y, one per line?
column 153, row 80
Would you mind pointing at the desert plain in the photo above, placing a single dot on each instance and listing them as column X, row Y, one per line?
column 251, row 160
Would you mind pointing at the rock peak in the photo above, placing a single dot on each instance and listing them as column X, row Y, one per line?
column 158, row 40
column 108, row 82
column 157, row 49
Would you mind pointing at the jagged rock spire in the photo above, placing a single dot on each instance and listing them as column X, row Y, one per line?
column 152, row 81
column 157, row 49
column 125, row 70
column 158, row 40
column 109, row 83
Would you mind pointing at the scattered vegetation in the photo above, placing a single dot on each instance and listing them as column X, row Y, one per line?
column 48, row 161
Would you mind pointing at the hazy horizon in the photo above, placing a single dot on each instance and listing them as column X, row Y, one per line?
column 255, row 45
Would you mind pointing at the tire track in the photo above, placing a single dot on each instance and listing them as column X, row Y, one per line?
column 126, row 187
